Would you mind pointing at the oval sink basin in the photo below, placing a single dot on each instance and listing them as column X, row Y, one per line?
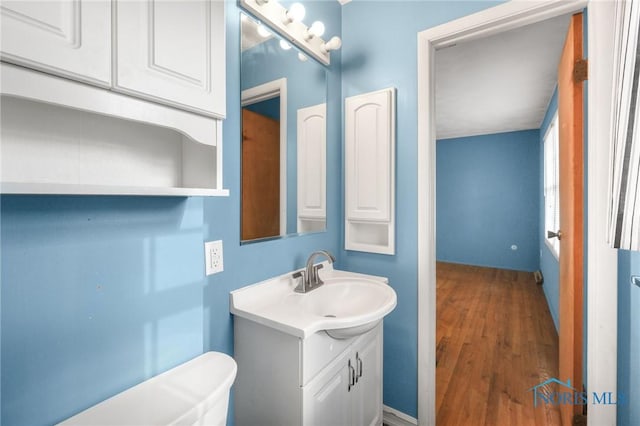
column 346, row 305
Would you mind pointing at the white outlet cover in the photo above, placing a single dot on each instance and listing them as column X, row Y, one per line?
column 213, row 257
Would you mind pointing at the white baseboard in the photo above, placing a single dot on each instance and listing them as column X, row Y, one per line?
column 393, row 417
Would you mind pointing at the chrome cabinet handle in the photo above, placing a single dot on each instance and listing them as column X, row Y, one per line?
column 352, row 377
column 359, row 365
column 357, row 368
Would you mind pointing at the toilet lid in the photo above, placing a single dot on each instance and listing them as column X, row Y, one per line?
column 180, row 395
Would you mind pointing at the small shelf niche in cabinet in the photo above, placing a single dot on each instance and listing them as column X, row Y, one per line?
column 52, row 149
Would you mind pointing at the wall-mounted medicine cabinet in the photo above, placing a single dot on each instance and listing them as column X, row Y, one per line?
column 370, row 172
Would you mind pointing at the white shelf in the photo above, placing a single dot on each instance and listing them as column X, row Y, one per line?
column 63, row 137
column 78, row 189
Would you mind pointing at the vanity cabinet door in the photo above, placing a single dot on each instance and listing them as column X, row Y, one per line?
column 172, row 52
column 312, row 148
column 71, row 38
column 327, row 398
column 367, row 398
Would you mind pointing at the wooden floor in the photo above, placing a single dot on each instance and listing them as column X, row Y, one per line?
column 495, row 340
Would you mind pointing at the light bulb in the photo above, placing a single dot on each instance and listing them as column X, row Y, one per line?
column 295, row 13
column 334, row 44
column 263, row 32
column 317, row 29
column 302, row 57
column 285, row 45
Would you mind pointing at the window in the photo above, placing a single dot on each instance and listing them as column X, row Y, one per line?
column 551, row 185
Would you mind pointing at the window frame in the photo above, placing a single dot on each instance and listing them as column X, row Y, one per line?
column 553, row 224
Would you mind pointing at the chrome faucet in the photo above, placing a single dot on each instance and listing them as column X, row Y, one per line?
column 310, row 277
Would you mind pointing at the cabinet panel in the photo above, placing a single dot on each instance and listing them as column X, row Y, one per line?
column 367, row 406
column 312, row 162
column 326, row 400
column 71, row 38
column 172, row 52
column 368, row 136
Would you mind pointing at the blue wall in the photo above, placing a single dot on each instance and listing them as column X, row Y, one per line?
column 100, row 293
column 269, row 108
column 487, row 200
column 548, row 262
column 379, row 50
column 628, row 338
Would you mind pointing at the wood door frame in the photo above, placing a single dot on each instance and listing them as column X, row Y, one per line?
column 602, row 264
column 264, row 92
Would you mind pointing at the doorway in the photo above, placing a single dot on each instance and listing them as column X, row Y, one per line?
column 264, row 160
column 602, row 305
column 496, row 339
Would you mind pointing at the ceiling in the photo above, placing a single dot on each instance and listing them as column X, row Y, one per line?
column 499, row 83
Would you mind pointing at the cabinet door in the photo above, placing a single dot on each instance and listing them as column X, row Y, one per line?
column 172, row 52
column 312, row 148
column 369, row 140
column 71, row 38
column 367, row 398
column 326, row 399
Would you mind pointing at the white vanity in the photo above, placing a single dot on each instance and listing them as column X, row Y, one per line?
column 291, row 371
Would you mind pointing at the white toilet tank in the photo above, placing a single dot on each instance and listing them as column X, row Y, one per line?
column 193, row 393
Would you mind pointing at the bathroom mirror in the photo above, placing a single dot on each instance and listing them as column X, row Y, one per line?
column 283, row 137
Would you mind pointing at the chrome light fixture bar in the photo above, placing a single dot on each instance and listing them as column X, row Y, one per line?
column 278, row 18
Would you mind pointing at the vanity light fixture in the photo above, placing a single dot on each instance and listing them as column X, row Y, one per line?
column 295, row 13
column 334, row 44
column 315, row 30
column 284, row 45
column 288, row 24
column 263, row 32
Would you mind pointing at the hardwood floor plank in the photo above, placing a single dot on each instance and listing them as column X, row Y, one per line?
column 495, row 339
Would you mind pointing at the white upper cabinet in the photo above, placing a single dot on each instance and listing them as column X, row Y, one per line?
column 71, row 38
column 312, row 168
column 172, row 52
column 368, row 139
column 369, row 170
column 149, row 121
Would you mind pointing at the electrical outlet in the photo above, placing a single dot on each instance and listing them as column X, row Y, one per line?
column 213, row 257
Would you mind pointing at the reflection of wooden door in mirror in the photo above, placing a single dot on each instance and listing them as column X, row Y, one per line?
column 260, row 176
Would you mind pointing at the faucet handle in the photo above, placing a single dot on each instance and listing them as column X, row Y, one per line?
column 315, row 276
column 301, row 287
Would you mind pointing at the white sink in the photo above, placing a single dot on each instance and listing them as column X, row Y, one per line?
column 348, row 304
